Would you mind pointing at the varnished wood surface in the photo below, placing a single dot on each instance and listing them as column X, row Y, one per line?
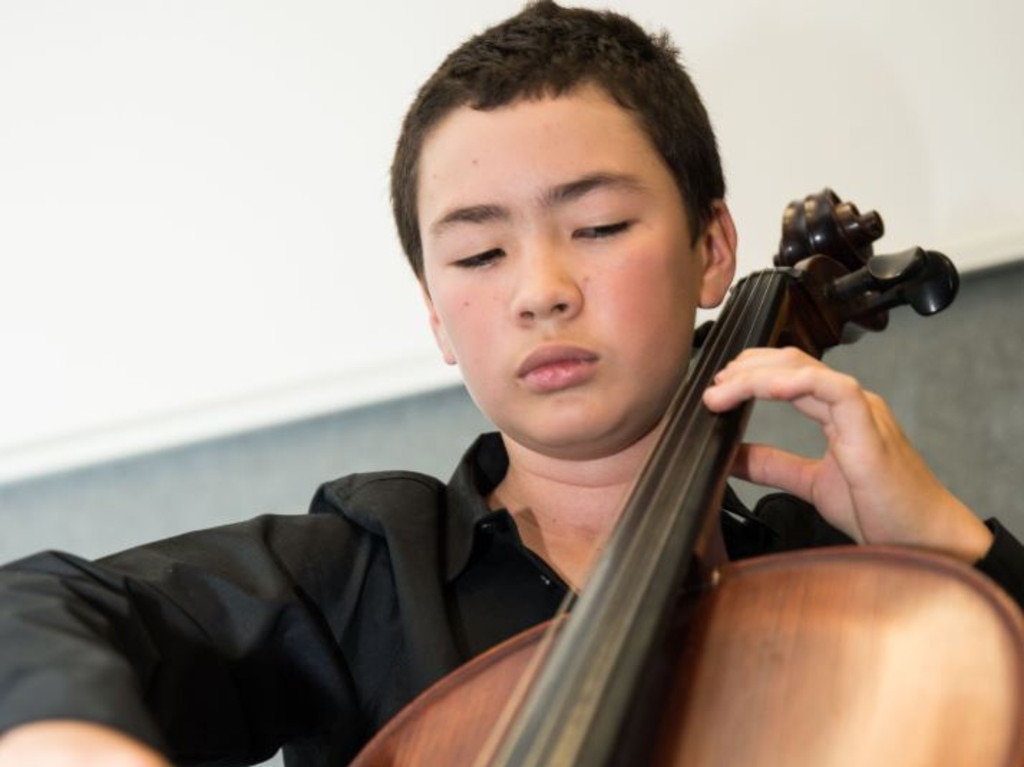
column 812, row 658
column 853, row 656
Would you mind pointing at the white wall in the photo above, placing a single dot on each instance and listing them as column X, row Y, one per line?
column 194, row 229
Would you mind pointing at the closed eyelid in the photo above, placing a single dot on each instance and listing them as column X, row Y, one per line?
column 604, row 230
column 479, row 259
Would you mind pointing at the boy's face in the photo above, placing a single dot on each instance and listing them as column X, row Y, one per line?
column 559, row 271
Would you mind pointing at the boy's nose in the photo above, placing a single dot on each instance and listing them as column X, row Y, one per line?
column 546, row 289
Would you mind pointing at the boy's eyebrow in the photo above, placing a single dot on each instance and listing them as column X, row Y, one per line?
column 471, row 214
column 573, row 190
column 556, row 195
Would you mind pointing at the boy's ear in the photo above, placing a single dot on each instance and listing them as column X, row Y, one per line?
column 437, row 327
column 717, row 247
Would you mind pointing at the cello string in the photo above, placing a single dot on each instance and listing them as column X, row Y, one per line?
column 509, row 711
column 736, row 332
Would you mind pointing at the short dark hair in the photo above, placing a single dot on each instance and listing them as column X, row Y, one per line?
column 547, row 50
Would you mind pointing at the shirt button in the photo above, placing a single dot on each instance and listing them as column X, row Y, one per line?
column 545, row 580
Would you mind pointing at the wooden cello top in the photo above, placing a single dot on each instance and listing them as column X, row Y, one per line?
column 839, row 657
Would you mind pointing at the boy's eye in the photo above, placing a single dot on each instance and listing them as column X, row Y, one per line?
column 480, row 259
column 597, row 232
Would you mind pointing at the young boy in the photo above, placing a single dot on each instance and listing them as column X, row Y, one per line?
column 558, row 192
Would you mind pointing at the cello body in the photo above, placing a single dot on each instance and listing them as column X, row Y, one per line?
column 838, row 657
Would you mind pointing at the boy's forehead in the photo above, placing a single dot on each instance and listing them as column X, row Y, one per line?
column 542, row 113
column 541, row 139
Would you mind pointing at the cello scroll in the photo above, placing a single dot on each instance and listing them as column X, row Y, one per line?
column 848, row 289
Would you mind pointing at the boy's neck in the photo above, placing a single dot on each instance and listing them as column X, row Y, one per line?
column 565, row 510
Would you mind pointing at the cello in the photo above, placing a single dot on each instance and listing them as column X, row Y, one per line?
column 673, row 655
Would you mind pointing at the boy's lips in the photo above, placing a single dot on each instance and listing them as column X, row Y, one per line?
column 556, row 366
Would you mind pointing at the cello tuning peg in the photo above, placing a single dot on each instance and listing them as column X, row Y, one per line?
column 860, row 229
column 878, row 274
column 936, row 287
column 924, row 279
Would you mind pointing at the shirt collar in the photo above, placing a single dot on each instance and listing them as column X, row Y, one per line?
column 482, row 467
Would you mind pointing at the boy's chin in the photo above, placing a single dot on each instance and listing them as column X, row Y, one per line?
column 582, row 442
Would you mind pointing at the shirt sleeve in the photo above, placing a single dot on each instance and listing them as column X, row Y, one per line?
column 781, row 522
column 211, row 647
column 1004, row 561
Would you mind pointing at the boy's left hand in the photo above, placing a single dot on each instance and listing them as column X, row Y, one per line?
column 870, row 483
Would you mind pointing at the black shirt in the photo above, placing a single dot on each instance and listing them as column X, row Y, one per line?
column 220, row 646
